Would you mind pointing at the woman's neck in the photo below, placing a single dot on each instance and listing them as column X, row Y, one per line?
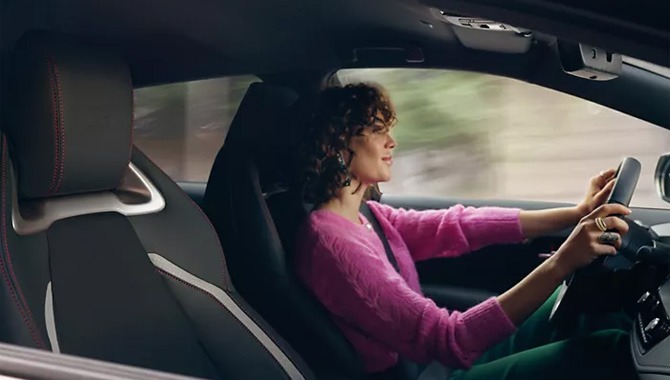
column 346, row 203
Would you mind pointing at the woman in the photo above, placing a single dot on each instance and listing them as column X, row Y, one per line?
column 347, row 148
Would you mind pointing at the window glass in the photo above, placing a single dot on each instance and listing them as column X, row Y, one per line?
column 182, row 126
column 656, row 69
column 472, row 135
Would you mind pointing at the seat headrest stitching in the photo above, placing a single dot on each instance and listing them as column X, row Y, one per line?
column 61, row 122
column 60, row 125
column 20, row 302
column 54, row 109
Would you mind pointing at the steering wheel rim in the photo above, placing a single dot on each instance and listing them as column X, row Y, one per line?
column 627, row 176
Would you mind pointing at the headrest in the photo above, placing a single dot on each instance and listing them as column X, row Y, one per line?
column 70, row 123
column 262, row 130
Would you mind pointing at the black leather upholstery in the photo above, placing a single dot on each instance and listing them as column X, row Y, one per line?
column 63, row 288
column 79, row 105
column 256, row 214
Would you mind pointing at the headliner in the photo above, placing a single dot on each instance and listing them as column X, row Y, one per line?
column 173, row 40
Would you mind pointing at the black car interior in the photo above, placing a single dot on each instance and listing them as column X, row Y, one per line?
column 104, row 256
column 88, row 268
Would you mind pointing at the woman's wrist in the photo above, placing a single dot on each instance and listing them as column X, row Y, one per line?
column 579, row 212
column 557, row 268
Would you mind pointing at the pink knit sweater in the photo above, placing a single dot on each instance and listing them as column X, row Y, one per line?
column 384, row 314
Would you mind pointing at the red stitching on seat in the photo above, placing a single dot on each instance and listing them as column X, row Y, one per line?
column 26, row 315
column 61, row 118
column 54, row 110
column 226, row 279
column 210, row 295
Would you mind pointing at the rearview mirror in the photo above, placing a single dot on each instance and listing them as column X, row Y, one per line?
column 662, row 177
column 588, row 62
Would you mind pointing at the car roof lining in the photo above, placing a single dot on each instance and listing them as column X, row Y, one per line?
column 228, row 37
column 179, row 40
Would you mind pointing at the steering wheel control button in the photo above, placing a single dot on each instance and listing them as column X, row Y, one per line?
column 651, row 325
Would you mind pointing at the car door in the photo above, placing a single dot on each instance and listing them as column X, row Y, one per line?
column 36, row 364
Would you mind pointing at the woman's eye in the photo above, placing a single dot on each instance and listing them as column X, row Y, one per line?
column 380, row 131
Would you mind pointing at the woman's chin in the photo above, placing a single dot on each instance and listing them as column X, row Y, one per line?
column 384, row 178
column 381, row 176
column 376, row 181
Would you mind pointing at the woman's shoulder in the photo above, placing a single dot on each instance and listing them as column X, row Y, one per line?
column 324, row 231
column 325, row 227
column 323, row 241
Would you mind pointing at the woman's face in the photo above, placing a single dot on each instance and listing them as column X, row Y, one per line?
column 373, row 158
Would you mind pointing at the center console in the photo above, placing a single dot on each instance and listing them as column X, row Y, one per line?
column 650, row 338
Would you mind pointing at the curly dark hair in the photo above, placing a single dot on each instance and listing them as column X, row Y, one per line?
column 326, row 127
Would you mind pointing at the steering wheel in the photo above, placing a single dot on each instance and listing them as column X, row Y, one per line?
column 584, row 290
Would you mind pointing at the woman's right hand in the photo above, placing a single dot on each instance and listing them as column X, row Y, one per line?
column 580, row 249
column 584, row 244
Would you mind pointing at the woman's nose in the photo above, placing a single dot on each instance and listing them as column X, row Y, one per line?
column 391, row 143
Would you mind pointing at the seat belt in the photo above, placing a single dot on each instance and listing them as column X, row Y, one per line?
column 370, row 216
column 404, row 369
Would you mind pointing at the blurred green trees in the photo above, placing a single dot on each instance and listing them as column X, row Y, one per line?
column 435, row 107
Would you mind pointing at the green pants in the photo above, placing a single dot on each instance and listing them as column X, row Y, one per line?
column 597, row 348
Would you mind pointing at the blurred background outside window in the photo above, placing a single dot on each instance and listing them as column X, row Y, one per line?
column 182, row 126
column 471, row 135
column 460, row 135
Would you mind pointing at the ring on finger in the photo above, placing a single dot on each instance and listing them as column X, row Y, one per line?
column 608, row 238
column 600, row 223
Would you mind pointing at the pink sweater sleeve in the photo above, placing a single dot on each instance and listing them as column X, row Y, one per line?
column 453, row 231
column 355, row 284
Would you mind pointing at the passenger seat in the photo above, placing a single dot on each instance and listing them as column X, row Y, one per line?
column 102, row 254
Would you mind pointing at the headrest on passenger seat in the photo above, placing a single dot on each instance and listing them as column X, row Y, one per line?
column 262, row 130
column 70, row 124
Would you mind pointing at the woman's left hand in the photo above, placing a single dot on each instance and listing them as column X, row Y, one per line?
column 600, row 187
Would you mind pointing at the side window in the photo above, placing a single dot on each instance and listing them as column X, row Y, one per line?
column 181, row 126
column 471, row 135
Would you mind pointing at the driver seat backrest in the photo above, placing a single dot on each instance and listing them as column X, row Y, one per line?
column 102, row 254
column 253, row 208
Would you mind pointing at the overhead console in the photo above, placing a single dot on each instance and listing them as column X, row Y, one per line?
column 488, row 35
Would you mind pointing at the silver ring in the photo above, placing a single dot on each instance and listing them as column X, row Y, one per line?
column 608, row 238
